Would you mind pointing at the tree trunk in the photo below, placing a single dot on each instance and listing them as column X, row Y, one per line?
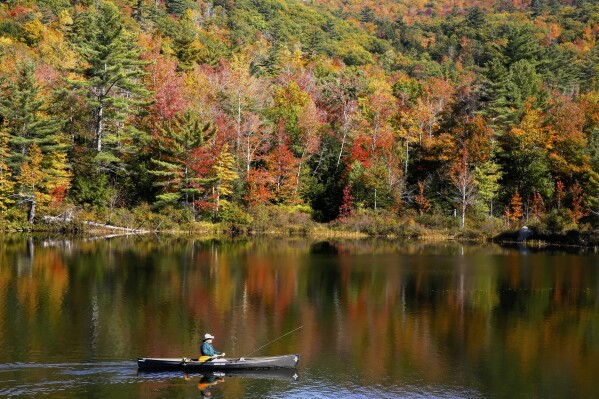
column 99, row 128
column 217, row 208
column 375, row 199
column 31, row 215
column 248, row 157
column 238, row 120
column 345, row 130
column 407, row 157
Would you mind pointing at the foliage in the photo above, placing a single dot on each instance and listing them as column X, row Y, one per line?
column 6, row 183
column 180, row 158
column 218, row 110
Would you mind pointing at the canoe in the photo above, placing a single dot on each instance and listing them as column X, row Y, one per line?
column 248, row 363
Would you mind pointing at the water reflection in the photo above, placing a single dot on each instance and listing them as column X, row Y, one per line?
column 443, row 315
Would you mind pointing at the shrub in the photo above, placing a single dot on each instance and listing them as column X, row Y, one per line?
column 292, row 219
column 376, row 223
column 235, row 217
column 176, row 214
column 558, row 221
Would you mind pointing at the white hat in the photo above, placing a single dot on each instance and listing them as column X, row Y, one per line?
column 208, row 336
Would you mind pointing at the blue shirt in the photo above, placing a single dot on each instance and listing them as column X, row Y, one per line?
column 208, row 350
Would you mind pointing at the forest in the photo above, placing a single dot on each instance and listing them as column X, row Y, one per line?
column 390, row 117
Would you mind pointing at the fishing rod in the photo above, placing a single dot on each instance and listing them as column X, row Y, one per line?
column 287, row 333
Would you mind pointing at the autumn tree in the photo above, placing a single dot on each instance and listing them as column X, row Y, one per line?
column 340, row 97
column 309, row 140
column 428, row 110
column 224, row 175
column 514, row 210
column 579, row 206
column 524, row 159
column 58, row 174
column 166, row 85
column 6, row 182
column 259, row 184
column 560, row 193
column 567, row 155
column 244, row 100
column 347, row 205
column 282, row 165
column 423, row 205
column 487, row 176
column 30, row 180
column 463, row 181
column 537, row 207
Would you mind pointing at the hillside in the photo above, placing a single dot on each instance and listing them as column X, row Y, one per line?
column 461, row 114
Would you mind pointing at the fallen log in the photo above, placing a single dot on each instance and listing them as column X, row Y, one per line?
column 102, row 226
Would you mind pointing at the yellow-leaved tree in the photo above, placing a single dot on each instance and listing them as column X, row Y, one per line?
column 224, row 176
column 30, row 180
column 6, row 183
column 57, row 176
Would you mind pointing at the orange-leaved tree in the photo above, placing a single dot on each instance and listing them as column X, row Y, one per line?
column 515, row 208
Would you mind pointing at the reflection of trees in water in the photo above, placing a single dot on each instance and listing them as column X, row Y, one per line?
column 374, row 305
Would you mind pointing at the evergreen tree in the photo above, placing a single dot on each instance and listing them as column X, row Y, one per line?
column 111, row 72
column 23, row 106
column 187, row 48
column 175, row 146
column 519, row 43
column 178, row 7
column 510, row 90
column 590, row 69
column 560, row 70
column 90, row 184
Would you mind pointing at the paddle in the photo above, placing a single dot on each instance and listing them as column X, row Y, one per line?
column 204, row 359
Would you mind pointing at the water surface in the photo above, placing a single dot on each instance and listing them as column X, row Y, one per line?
column 378, row 318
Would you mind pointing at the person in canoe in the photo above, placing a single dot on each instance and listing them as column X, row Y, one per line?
column 207, row 349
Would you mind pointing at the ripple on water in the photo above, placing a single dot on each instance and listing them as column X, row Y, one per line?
column 35, row 379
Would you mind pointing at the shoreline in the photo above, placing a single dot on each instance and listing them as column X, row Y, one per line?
column 569, row 239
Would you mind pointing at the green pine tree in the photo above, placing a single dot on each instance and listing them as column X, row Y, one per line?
column 23, row 106
column 511, row 89
column 186, row 46
column 174, row 147
column 111, row 82
column 178, row 7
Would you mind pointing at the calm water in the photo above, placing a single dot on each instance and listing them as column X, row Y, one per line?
column 379, row 319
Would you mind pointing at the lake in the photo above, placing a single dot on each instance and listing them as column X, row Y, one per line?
column 372, row 318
